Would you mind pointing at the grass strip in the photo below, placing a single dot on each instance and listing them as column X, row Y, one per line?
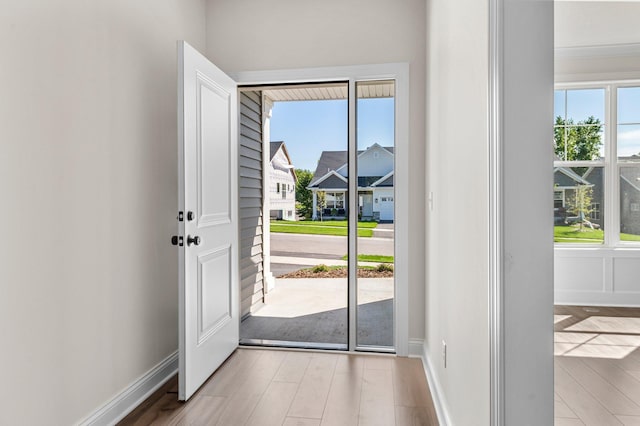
column 377, row 258
column 317, row 230
column 331, row 223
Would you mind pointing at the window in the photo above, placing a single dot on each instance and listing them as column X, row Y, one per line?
column 580, row 152
column 278, row 187
column 597, row 164
column 628, row 147
column 335, row 200
column 558, row 199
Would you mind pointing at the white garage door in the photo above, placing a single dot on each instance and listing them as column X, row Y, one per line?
column 386, row 207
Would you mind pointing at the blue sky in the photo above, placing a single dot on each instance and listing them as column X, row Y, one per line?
column 580, row 104
column 310, row 127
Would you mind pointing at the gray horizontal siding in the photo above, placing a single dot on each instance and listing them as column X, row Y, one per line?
column 251, row 259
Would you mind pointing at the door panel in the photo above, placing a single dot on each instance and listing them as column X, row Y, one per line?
column 214, row 292
column 213, row 153
column 208, row 272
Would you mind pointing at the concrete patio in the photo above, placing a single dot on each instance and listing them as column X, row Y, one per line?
column 314, row 310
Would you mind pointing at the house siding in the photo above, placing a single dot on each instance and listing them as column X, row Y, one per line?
column 251, row 224
column 281, row 182
column 629, row 200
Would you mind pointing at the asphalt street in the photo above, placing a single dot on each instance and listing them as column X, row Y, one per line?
column 315, row 247
column 325, row 246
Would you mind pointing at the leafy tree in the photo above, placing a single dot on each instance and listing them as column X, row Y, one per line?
column 321, row 200
column 580, row 203
column 304, row 196
column 577, row 141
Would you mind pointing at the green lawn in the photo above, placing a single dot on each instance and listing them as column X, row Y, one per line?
column 333, row 227
column 629, row 237
column 323, row 268
column 337, row 223
column 372, row 258
column 572, row 234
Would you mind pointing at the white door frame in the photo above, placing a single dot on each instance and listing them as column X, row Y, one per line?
column 400, row 73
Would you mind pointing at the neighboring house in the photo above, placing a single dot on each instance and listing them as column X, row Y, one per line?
column 630, row 199
column 282, row 183
column 567, row 180
column 375, row 184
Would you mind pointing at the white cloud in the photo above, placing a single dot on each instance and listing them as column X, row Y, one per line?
column 629, row 135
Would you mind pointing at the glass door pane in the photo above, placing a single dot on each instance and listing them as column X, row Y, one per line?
column 296, row 286
column 375, row 136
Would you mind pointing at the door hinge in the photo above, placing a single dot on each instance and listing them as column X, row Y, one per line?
column 180, row 217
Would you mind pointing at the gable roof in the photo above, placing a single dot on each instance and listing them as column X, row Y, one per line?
column 274, row 147
column 331, row 180
column 386, row 180
column 572, row 175
column 334, row 160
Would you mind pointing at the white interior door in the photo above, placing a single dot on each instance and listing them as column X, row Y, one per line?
column 208, row 271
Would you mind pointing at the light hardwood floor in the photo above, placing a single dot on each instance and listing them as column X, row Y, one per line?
column 597, row 366
column 270, row 387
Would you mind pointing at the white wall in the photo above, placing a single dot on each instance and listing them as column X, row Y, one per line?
column 597, row 41
column 88, row 279
column 285, row 34
column 594, row 23
column 457, row 161
column 527, row 111
column 607, row 36
column 458, row 227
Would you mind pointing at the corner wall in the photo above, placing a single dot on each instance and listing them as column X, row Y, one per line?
column 289, row 34
column 457, row 233
column 88, row 166
column 458, row 282
column 526, row 117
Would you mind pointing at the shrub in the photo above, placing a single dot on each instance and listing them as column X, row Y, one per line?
column 384, row 267
column 320, row 268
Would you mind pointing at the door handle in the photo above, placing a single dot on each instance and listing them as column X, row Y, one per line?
column 193, row 240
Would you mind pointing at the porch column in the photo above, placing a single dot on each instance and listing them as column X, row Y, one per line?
column 269, row 281
column 315, row 205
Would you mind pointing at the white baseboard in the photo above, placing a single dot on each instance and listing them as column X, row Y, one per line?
column 596, row 298
column 418, row 349
column 133, row 395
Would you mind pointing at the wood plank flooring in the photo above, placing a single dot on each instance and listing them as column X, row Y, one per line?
column 597, row 366
column 272, row 387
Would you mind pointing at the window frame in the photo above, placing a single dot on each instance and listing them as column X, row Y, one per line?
column 611, row 164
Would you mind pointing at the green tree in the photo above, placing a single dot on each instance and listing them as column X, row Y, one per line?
column 304, row 196
column 580, row 203
column 577, row 141
column 321, row 201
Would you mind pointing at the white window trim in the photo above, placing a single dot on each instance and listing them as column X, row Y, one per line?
column 611, row 164
column 391, row 71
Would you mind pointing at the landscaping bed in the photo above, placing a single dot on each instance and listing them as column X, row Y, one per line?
column 322, row 271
